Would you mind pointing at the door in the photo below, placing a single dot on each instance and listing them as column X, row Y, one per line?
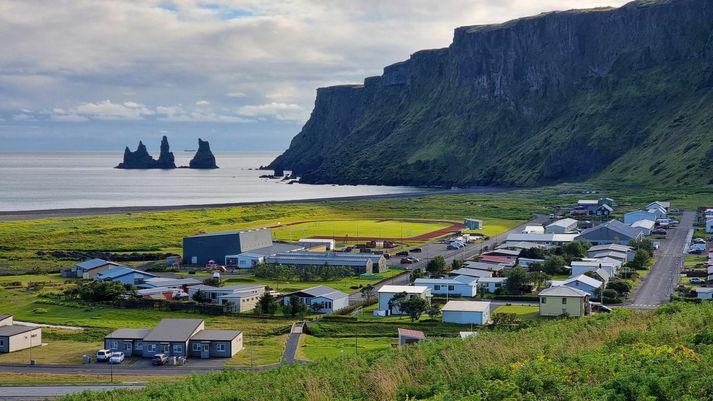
column 127, row 348
column 205, row 351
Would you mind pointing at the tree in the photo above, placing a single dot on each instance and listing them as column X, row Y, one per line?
column 517, row 278
column 533, row 253
column 416, row 273
column 198, row 296
column 213, row 281
column 554, row 265
column 396, row 300
column 414, row 307
column 436, row 265
column 98, row 291
column 647, row 244
column 367, row 291
column 506, row 319
column 538, row 278
column 267, row 305
column 611, row 296
column 641, row 260
column 457, row 264
column 295, row 307
column 575, row 249
column 619, row 285
column 434, row 311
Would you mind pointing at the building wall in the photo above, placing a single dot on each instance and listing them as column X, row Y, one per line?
column 385, row 297
column 554, row 306
column 21, row 341
column 93, row 273
column 584, row 287
column 123, row 345
column 633, row 217
column 230, row 348
column 459, row 317
column 148, row 352
column 7, row 321
column 458, row 289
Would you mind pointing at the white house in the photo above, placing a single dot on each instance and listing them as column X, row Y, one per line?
column 658, row 211
column 581, row 282
column 636, row 215
column 564, row 226
column 621, row 257
column 629, row 251
column 660, row 204
column 328, row 298
column 533, row 230
column 466, row 312
column 709, row 226
column 491, row 284
column 387, row 292
column 543, row 239
column 242, row 297
column 704, row 293
column 248, row 260
column 590, row 265
column 466, row 287
column 644, row 226
column 465, row 271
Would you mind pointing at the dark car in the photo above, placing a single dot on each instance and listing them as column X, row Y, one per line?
column 402, row 253
column 406, row 261
column 416, row 250
column 159, row 359
column 659, row 231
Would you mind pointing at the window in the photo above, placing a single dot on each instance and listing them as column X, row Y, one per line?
column 220, row 347
column 564, row 301
column 114, row 344
column 127, row 346
column 151, row 347
column 178, row 348
column 2, row 342
column 544, row 300
column 436, row 287
column 451, row 287
column 196, row 346
column 139, row 345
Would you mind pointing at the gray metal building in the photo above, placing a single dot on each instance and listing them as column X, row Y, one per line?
column 199, row 249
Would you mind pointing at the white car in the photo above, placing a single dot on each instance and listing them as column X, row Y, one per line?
column 103, row 355
column 116, row 357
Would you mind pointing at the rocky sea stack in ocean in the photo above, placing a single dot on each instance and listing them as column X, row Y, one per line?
column 204, row 158
column 141, row 159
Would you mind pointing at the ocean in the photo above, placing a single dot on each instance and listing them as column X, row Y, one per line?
column 62, row 180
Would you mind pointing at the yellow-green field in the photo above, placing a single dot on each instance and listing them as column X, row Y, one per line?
column 357, row 228
column 524, row 312
column 312, row 348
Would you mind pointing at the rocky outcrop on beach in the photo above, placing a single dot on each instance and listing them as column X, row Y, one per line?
column 140, row 159
column 204, row 158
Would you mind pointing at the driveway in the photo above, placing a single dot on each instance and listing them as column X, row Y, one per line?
column 657, row 286
column 293, row 341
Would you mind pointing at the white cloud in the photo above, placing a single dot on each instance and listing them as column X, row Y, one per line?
column 23, row 117
column 202, row 103
column 68, row 118
column 106, row 110
column 279, row 111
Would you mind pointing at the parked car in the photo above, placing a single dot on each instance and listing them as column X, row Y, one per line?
column 387, row 256
column 657, row 245
column 402, row 253
column 697, row 280
column 453, row 246
column 116, row 357
column 416, row 250
column 699, row 241
column 103, row 355
column 414, row 260
column 694, row 251
column 159, row 359
column 659, row 231
column 406, row 261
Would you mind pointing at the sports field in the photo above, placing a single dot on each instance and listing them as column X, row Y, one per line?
column 359, row 229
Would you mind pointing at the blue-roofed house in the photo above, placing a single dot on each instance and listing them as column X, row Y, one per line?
column 124, row 275
column 331, row 300
column 611, row 232
column 90, row 268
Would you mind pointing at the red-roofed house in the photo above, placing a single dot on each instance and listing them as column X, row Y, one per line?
column 408, row 336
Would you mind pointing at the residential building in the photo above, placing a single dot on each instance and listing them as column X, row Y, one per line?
column 659, row 212
column 330, row 299
column 637, row 215
column 408, row 336
column 387, row 292
column 520, row 246
column 665, row 205
column 590, row 265
column 543, row 239
column 491, row 284
column 494, row 268
column 90, row 268
column 563, row 226
column 709, row 226
column 176, row 337
column 526, row 262
column 169, row 282
column 164, row 293
column 468, row 272
column 629, row 251
column 563, row 300
column 466, row 312
column 533, row 230
column 241, row 297
column 611, row 232
column 359, row 262
column 603, row 210
column 621, row 257
column 124, row 275
column 704, row 293
column 15, row 337
column 644, row 226
column 203, row 248
column 450, row 287
column 473, row 224
column 582, row 282
column 607, row 201
column 250, row 259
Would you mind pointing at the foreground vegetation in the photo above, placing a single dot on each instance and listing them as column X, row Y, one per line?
column 626, row 355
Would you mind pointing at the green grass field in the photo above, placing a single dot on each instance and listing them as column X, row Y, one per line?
column 313, row 348
column 356, row 228
column 522, row 311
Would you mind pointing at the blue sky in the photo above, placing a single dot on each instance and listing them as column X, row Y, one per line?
column 100, row 75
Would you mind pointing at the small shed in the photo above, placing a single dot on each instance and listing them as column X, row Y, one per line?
column 473, row 224
column 14, row 337
column 466, row 312
column 408, row 336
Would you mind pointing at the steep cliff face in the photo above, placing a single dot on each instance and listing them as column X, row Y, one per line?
column 623, row 93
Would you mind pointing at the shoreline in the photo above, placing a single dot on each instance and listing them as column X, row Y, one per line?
column 21, row 215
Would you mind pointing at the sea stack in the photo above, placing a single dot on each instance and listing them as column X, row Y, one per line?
column 139, row 159
column 166, row 159
column 204, row 158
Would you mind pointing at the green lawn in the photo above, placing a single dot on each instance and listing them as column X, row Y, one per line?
column 522, row 311
column 313, row 348
column 259, row 351
column 357, row 228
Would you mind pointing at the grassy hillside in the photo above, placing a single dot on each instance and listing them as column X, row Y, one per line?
column 626, row 355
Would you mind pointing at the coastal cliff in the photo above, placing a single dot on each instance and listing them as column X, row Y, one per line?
column 623, row 93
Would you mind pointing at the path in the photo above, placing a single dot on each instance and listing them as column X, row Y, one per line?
column 657, row 286
column 44, row 392
column 49, row 326
column 293, row 341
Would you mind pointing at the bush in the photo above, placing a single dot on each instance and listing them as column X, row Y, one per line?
column 619, row 285
column 612, row 296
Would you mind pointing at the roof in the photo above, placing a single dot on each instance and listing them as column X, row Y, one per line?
column 541, row 237
column 93, row 264
column 603, row 274
column 519, row 245
column 492, row 279
column 215, row 335
column 482, row 266
column 174, row 330
column 317, row 240
column 565, row 223
column 588, row 202
column 563, row 291
column 583, row 278
column 4, row 316
column 704, row 290
column 320, row 291
column 409, row 289
column 612, row 247
column 411, row 333
column 228, row 288
column 496, row 259
column 663, row 204
column 320, row 258
column 610, row 254
column 220, row 233
column 15, row 329
column 466, row 306
column 439, row 281
column 157, row 290
column 464, row 271
column 272, row 250
column 170, row 282
column 120, row 271
column 607, row 207
column 134, row 334
column 500, row 252
column 594, row 263
column 648, row 224
column 534, row 229
column 614, row 225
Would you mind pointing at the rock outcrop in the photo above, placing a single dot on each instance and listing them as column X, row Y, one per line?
column 166, row 159
column 204, row 158
column 142, row 160
column 624, row 94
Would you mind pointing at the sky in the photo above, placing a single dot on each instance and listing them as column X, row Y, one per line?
column 243, row 74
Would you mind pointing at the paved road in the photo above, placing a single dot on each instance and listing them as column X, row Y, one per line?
column 142, row 368
column 436, row 248
column 293, row 341
column 657, row 286
column 44, row 392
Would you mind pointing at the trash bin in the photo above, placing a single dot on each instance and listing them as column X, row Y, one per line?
column 86, row 359
column 33, row 362
column 172, row 361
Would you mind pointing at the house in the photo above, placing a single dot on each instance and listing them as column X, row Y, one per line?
column 519, row 246
column 603, row 210
column 164, row 293
column 468, row 272
column 168, row 282
column 505, row 253
column 250, row 259
column 15, row 337
column 607, row 201
column 473, row 224
column 491, row 284
column 90, row 268
column 582, row 282
column 542, row 239
column 408, row 336
column 637, row 215
column 318, row 243
column 330, row 299
column 602, row 275
column 124, row 275
column 494, row 268
column 387, row 292
column 533, row 230
column 590, row 265
column 665, row 205
column 644, row 226
column 563, row 300
column 704, row 293
column 465, row 287
column 563, row 226
column 611, row 232
column 176, row 337
column 620, row 257
column 466, row 312
column 629, row 251
column 498, row 260
column 709, row 226
column 658, row 212
column 359, row 262
column 526, row 262
column 201, row 249
column 241, row 297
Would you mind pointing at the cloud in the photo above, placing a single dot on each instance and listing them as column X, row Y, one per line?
column 279, row 111
column 68, row 118
column 106, row 110
column 202, row 103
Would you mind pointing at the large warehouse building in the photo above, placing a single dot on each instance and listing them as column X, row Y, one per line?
column 200, row 249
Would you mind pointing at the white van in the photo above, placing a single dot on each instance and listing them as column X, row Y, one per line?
column 103, row 355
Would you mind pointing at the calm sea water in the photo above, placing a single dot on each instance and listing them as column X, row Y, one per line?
column 59, row 180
